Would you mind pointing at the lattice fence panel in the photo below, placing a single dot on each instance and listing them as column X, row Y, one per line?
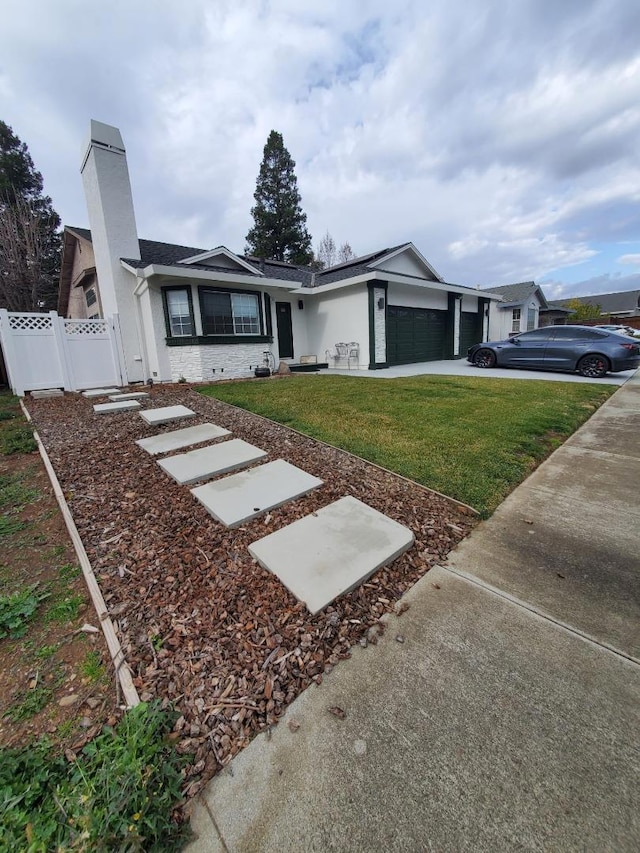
column 30, row 323
column 87, row 328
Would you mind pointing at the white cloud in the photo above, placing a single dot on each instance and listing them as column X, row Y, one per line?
column 629, row 259
column 503, row 143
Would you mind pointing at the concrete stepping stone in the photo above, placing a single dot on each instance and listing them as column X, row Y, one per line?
column 133, row 395
column 154, row 417
column 124, row 406
column 45, row 393
column 168, row 441
column 332, row 551
column 100, row 392
column 240, row 497
column 206, row 462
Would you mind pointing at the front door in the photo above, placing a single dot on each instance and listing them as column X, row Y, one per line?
column 285, row 330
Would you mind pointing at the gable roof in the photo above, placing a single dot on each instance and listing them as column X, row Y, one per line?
column 622, row 302
column 516, row 294
column 154, row 253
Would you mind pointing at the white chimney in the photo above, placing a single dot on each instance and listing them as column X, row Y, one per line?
column 114, row 235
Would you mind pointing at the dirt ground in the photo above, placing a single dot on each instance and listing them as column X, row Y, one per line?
column 202, row 625
column 56, row 679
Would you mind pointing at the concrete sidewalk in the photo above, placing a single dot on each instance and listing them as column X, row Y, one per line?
column 500, row 712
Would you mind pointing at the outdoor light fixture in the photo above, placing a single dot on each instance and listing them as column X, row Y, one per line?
column 300, row 304
column 381, row 303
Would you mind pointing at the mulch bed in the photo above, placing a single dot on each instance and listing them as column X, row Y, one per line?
column 202, row 625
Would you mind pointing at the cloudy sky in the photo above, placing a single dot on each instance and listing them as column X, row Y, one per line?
column 501, row 136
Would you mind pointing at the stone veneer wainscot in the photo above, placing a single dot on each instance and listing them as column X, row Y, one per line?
column 197, row 363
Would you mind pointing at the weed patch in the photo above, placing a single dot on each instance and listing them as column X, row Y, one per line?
column 31, row 704
column 9, row 525
column 17, row 439
column 65, row 609
column 91, row 667
column 117, row 795
column 17, row 609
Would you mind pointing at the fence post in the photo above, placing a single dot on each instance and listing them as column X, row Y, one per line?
column 63, row 352
column 10, row 361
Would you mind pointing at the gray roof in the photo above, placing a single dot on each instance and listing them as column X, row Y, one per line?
column 518, row 292
column 170, row 254
column 626, row 301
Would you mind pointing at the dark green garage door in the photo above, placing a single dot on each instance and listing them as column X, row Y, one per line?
column 415, row 334
column 470, row 330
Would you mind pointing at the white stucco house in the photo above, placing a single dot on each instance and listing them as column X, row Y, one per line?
column 203, row 314
column 519, row 310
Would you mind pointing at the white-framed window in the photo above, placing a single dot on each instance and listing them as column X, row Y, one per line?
column 227, row 313
column 516, row 315
column 179, row 312
column 531, row 318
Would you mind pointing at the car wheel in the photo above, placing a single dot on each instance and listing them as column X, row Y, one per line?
column 593, row 366
column 485, row 358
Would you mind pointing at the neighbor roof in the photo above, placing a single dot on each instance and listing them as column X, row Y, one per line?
column 623, row 302
column 514, row 294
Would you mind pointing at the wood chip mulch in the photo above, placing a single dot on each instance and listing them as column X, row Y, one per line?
column 202, row 625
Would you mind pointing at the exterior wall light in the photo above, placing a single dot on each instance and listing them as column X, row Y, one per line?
column 300, row 304
column 381, row 303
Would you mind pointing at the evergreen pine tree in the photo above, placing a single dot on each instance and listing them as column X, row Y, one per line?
column 29, row 238
column 279, row 232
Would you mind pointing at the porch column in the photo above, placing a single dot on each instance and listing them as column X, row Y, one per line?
column 377, row 324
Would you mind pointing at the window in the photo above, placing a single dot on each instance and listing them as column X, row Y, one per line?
column 515, row 320
column 90, row 296
column 226, row 313
column 531, row 319
column 179, row 314
column 536, row 335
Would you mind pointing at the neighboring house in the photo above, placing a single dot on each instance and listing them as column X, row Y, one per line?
column 614, row 305
column 206, row 314
column 519, row 310
column 555, row 314
column 78, row 296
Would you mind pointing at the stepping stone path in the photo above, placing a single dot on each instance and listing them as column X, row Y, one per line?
column 100, row 392
column 208, row 461
column 241, row 497
column 326, row 554
column 124, row 406
column 317, row 558
column 134, row 395
column 155, row 417
column 181, row 438
column 47, row 392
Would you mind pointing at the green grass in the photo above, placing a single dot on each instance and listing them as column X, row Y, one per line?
column 17, row 609
column 117, row 795
column 32, row 703
column 15, row 493
column 472, row 438
column 91, row 667
column 64, row 609
column 16, row 436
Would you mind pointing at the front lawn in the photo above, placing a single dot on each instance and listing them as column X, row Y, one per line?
column 472, row 438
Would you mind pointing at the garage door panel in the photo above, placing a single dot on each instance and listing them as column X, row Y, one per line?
column 470, row 330
column 415, row 334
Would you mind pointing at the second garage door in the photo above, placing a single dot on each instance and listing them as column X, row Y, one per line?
column 415, row 334
column 470, row 330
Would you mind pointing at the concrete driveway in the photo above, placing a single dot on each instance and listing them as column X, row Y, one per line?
column 500, row 712
column 461, row 367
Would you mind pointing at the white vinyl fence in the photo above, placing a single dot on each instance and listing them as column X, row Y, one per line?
column 47, row 351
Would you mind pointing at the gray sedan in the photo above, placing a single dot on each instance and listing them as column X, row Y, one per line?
column 589, row 351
